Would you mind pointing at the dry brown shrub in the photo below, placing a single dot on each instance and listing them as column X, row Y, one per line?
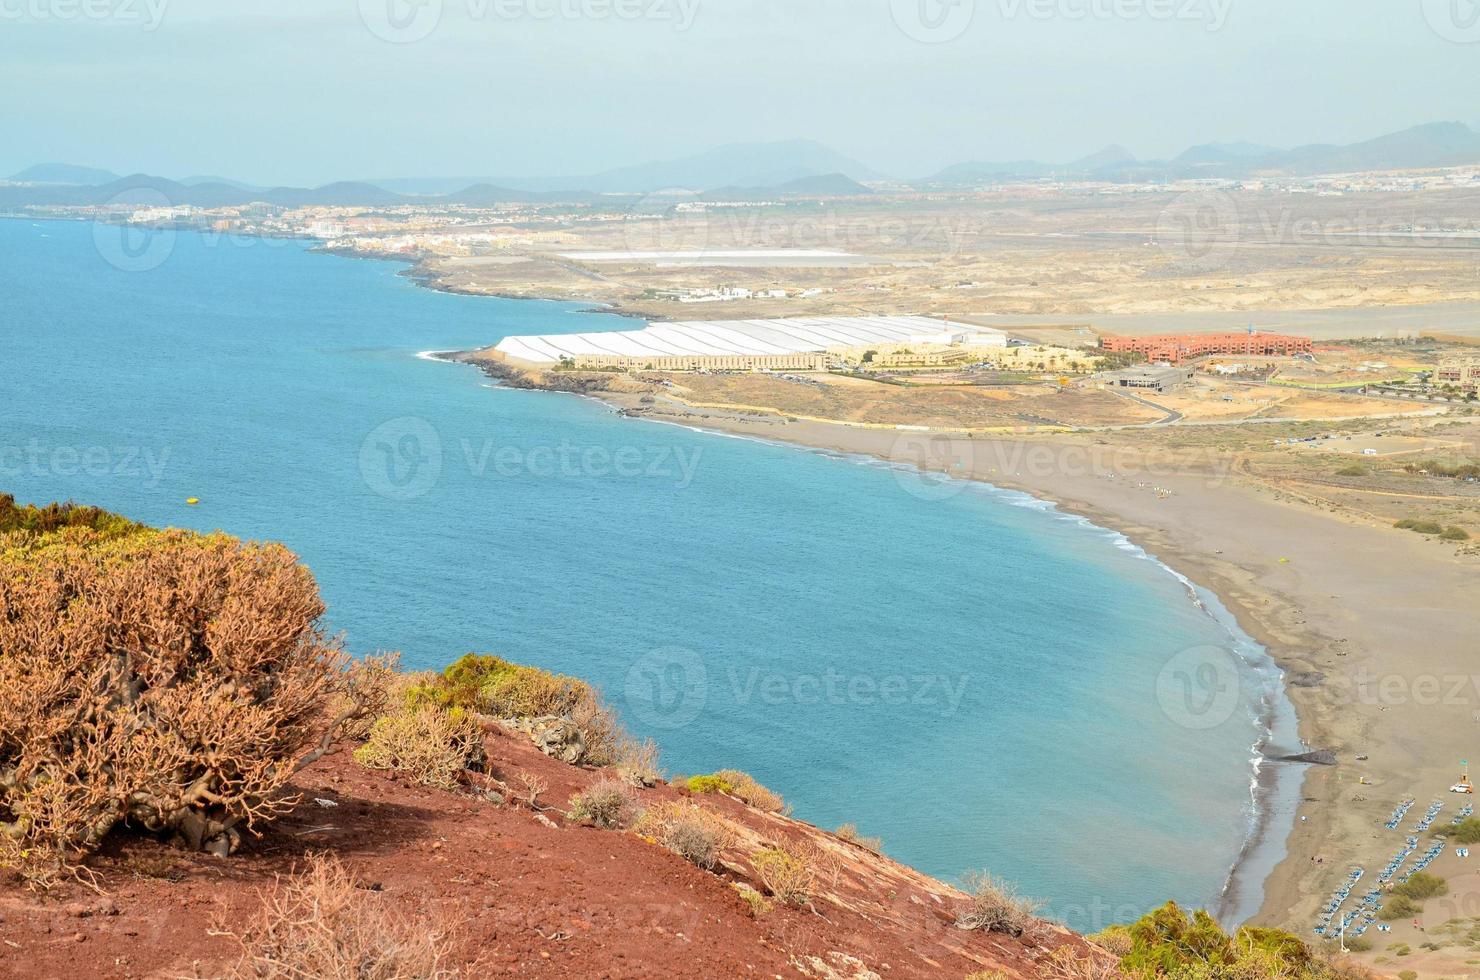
column 745, row 788
column 606, row 805
column 534, row 788
column 689, row 831
column 1067, row 964
column 429, row 744
column 319, row 924
column 165, row 679
column 376, row 683
column 606, row 740
column 637, row 763
column 994, row 906
column 849, row 833
column 1117, row 941
column 786, row 875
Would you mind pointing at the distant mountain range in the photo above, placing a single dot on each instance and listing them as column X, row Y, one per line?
column 64, row 173
column 1444, row 144
column 144, row 190
column 748, row 171
column 737, row 165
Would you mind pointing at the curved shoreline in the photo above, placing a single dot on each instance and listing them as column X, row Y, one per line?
column 1274, row 786
column 1289, row 616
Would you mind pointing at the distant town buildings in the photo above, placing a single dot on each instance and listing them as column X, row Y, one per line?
column 1176, row 348
column 1460, row 372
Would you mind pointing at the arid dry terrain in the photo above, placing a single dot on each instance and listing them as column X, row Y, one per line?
column 1018, row 251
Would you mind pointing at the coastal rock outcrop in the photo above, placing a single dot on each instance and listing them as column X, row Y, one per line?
column 558, row 738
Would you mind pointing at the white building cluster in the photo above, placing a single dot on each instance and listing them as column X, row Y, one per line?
column 755, row 343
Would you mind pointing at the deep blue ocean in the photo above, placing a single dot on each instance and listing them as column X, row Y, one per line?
column 982, row 682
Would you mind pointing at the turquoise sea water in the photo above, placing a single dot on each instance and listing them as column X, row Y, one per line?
column 978, row 680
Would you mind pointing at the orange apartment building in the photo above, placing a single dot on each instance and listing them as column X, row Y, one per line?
column 1176, row 348
column 1461, row 373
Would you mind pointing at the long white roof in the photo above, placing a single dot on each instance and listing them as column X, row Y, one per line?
column 691, row 337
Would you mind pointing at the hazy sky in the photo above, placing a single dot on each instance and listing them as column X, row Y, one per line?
column 307, row 91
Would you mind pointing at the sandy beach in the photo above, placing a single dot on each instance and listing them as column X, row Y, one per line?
column 1374, row 628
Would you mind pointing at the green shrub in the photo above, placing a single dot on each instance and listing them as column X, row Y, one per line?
column 1455, row 534
column 1422, row 886
column 786, row 874
column 755, row 902
column 1352, row 471
column 55, row 517
column 1467, row 469
column 432, row 745
column 493, row 686
column 1464, row 833
column 741, row 786
column 707, row 784
column 1170, row 943
column 1399, row 907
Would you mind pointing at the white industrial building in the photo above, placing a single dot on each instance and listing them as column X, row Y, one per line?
column 748, row 338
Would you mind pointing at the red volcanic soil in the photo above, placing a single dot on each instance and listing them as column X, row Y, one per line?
column 521, row 897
